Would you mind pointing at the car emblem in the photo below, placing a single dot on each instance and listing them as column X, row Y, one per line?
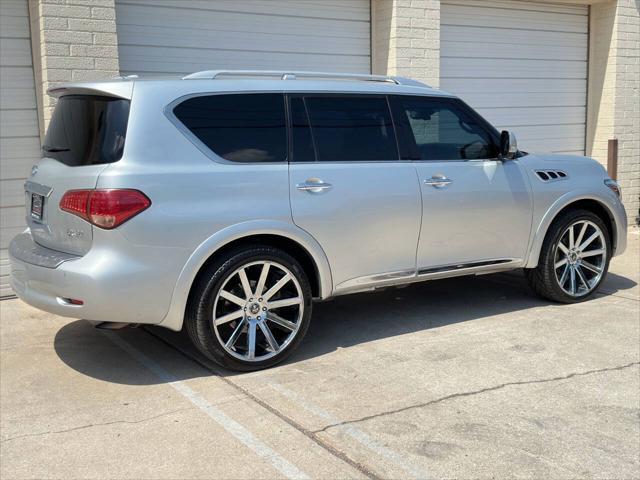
column 34, row 170
column 74, row 233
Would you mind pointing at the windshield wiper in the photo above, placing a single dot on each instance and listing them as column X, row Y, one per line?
column 50, row 149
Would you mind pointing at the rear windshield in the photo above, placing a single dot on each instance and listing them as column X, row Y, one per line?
column 87, row 130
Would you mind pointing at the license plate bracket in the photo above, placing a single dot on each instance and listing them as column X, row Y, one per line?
column 37, row 206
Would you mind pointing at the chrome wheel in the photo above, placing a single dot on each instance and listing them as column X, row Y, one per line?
column 258, row 311
column 580, row 258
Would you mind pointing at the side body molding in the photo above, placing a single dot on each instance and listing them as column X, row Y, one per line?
column 175, row 316
column 610, row 203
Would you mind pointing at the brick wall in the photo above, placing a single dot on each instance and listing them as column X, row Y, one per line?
column 73, row 40
column 614, row 92
column 406, row 39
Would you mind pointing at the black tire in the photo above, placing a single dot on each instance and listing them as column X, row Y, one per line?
column 200, row 311
column 542, row 279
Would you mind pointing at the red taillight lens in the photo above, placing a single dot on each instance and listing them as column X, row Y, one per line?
column 105, row 208
column 76, row 202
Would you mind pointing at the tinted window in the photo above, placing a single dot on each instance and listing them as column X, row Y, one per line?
column 240, row 128
column 87, row 130
column 438, row 129
column 301, row 140
column 352, row 128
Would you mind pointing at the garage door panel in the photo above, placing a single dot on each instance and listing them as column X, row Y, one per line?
column 515, row 85
column 337, row 9
column 137, row 37
column 19, row 134
column 519, row 117
column 512, row 51
column 514, row 68
column 152, row 62
column 19, row 123
column 15, row 52
column 525, row 6
column 511, row 35
column 180, row 37
column 524, row 100
column 523, row 65
column 484, row 16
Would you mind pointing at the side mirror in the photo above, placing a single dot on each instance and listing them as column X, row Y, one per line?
column 508, row 144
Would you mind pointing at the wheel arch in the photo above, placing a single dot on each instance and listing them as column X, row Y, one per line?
column 293, row 240
column 591, row 203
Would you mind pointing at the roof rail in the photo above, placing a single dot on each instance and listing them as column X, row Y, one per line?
column 293, row 75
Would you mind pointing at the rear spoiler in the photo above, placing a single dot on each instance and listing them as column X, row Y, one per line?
column 113, row 88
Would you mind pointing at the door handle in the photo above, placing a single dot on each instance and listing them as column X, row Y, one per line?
column 314, row 185
column 438, row 181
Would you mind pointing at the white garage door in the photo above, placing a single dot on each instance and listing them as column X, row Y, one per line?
column 523, row 65
column 19, row 137
column 184, row 36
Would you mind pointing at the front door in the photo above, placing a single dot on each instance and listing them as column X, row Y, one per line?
column 476, row 208
column 349, row 190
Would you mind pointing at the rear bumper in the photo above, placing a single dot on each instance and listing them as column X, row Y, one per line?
column 113, row 287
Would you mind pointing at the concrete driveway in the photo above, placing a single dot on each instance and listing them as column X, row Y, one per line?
column 470, row 377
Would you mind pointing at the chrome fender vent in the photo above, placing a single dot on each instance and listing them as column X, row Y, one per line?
column 551, row 175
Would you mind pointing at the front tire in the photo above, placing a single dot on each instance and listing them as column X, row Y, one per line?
column 574, row 259
column 250, row 309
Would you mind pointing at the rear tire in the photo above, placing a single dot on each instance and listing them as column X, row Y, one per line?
column 244, row 314
column 574, row 259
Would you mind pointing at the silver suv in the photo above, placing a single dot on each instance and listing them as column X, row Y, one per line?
column 225, row 202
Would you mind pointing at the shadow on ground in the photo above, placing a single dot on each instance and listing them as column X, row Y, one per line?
column 338, row 323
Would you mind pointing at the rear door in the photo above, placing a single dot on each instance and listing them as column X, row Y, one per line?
column 349, row 190
column 86, row 133
column 476, row 208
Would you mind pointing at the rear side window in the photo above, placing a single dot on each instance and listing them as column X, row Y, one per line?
column 87, row 130
column 351, row 128
column 238, row 127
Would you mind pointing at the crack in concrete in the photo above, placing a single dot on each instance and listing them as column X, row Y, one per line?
column 82, row 427
column 473, row 392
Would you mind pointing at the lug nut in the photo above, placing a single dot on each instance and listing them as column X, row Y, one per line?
column 259, row 317
column 264, row 309
column 260, row 300
column 251, row 299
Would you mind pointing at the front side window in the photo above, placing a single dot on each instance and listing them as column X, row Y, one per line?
column 238, row 127
column 438, row 129
column 351, row 128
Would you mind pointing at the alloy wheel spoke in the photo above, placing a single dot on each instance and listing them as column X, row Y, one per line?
column 565, row 274
column 245, row 283
column 571, row 239
column 236, row 333
column 276, row 288
column 561, row 262
column 286, row 302
column 232, row 298
column 229, row 317
column 573, row 281
column 251, row 341
column 563, row 247
column 590, row 266
column 583, row 230
column 262, row 279
column 277, row 319
column 592, row 253
column 273, row 344
column 588, row 241
column 582, row 278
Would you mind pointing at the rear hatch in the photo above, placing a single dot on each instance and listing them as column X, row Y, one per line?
column 86, row 133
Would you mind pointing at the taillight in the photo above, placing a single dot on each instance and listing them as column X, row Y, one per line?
column 105, row 208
